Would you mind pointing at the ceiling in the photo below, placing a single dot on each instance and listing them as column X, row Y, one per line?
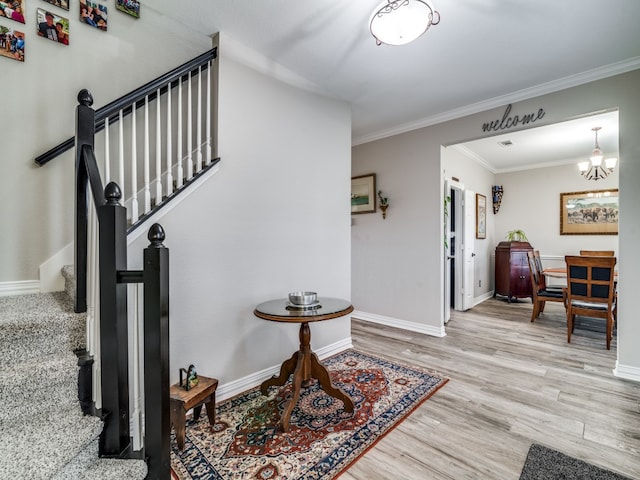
column 483, row 54
column 559, row 144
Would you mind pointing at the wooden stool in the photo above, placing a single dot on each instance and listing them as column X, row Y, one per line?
column 183, row 400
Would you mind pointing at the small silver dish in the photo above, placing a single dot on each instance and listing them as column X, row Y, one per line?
column 303, row 298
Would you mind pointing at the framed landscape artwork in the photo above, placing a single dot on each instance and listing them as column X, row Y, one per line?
column 592, row 212
column 363, row 194
column 481, row 216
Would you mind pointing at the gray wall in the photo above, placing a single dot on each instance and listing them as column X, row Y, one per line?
column 274, row 219
column 408, row 249
column 38, row 110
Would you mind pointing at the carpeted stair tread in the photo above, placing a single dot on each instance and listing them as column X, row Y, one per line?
column 69, row 275
column 43, row 432
column 37, row 447
column 38, row 385
column 87, row 466
column 39, row 324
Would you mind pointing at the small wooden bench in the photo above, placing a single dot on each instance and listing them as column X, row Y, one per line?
column 184, row 400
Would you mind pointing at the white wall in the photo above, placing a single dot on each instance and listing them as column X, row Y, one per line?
column 412, row 161
column 478, row 179
column 531, row 202
column 274, row 219
column 38, row 110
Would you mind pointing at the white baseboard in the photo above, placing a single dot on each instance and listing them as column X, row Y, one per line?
column 627, row 372
column 236, row 387
column 482, row 298
column 403, row 324
column 51, row 279
column 19, row 288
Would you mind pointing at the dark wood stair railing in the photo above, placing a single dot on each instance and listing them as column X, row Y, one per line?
column 115, row 440
column 138, row 96
column 113, row 228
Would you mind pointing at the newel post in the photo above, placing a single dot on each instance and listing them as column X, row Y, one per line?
column 114, row 344
column 156, row 355
column 85, row 133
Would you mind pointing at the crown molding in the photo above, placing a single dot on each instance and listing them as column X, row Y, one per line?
column 518, row 96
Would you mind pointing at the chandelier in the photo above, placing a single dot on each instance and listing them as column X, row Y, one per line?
column 594, row 169
column 402, row 21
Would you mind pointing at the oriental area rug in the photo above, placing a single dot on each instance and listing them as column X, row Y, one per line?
column 323, row 440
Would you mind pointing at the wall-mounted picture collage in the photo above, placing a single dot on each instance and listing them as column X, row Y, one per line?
column 52, row 24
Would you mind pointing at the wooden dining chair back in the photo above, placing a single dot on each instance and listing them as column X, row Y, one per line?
column 597, row 253
column 542, row 278
column 590, row 291
column 540, row 294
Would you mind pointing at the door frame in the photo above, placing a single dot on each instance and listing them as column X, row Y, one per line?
column 463, row 214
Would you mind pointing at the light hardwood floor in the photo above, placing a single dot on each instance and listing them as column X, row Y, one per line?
column 512, row 383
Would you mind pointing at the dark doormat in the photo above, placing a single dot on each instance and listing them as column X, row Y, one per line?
column 543, row 463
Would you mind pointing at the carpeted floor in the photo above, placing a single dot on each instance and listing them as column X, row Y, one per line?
column 323, row 440
column 543, row 463
column 43, row 432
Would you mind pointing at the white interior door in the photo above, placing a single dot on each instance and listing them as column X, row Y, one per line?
column 468, row 254
column 447, row 244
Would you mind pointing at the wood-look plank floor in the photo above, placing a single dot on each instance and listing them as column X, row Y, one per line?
column 512, row 383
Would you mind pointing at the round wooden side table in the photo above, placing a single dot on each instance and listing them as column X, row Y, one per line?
column 303, row 364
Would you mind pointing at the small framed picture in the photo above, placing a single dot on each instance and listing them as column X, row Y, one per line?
column 11, row 44
column 363, row 194
column 64, row 4
column 481, row 216
column 52, row 26
column 12, row 9
column 130, row 7
column 93, row 14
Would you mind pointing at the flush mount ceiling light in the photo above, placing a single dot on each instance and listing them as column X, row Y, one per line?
column 594, row 169
column 402, row 21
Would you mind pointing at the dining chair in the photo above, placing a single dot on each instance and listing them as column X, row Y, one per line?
column 590, row 291
column 597, row 253
column 542, row 276
column 540, row 294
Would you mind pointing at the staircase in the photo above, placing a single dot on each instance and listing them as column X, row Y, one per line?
column 44, row 434
column 43, row 431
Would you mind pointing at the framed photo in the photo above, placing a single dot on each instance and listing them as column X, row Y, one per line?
column 481, row 216
column 363, row 194
column 12, row 9
column 64, row 4
column 51, row 26
column 93, row 14
column 130, row 7
column 592, row 212
column 11, row 44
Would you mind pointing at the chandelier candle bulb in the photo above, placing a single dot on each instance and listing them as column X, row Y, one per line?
column 594, row 169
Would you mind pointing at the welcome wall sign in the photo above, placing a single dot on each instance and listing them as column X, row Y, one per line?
column 508, row 121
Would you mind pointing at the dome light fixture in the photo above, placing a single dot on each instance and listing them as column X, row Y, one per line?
column 402, row 21
column 593, row 169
